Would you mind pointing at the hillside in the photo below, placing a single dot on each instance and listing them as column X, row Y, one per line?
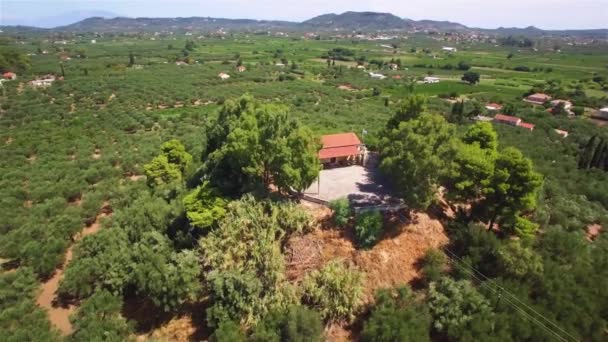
column 358, row 21
column 345, row 22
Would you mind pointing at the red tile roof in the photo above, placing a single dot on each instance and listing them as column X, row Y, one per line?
column 339, row 145
column 507, row 118
column 339, row 140
column 527, row 125
column 494, row 105
column 336, row 152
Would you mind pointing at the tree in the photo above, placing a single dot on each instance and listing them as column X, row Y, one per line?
column 258, row 144
column 204, row 206
column 101, row 261
column 297, row 323
column 335, row 291
column 176, row 154
column 513, row 187
column 518, row 261
column 469, row 173
column 434, row 265
column 21, row 319
column 397, row 317
column 99, row 319
column 342, row 211
column 482, row 134
column 228, row 331
column 368, row 228
column 161, row 172
column 411, row 108
column 169, row 166
column 168, row 278
column 247, row 267
column 459, row 311
column 471, row 77
column 462, row 65
column 131, row 59
column 415, row 155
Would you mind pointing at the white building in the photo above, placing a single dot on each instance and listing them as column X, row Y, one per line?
column 224, row 76
column 430, row 79
column 376, row 76
column 449, row 49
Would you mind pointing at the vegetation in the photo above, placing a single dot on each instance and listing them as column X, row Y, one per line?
column 368, row 228
column 191, row 179
column 335, row 291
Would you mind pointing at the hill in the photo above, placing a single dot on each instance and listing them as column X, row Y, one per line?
column 358, row 21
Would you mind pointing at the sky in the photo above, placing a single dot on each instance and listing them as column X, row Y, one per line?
column 546, row 14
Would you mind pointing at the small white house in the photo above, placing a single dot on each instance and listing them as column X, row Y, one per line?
column 449, row 49
column 430, row 79
column 224, row 76
column 376, row 76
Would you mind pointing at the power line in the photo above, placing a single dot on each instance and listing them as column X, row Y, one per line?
column 497, row 289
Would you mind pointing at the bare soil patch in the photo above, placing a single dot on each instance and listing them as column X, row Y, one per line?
column 391, row 262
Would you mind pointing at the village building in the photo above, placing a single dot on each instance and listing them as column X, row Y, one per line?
column 376, row 76
column 507, row 119
column 538, row 98
column 482, row 118
column 241, row 68
column 564, row 134
column 342, row 149
column 601, row 114
column 567, row 104
column 493, row 107
column 44, row 81
column 9, row 76
column 430, row 79
column 223, row 76
column 449, row 49
column 527, row 125
column 393, row 66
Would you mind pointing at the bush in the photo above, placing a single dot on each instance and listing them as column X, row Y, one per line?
column 397, row 318
column 298, row 323
column 434, row 264
column 228, row 331
column 368, row 228
column 335, row 291
column 342, row 211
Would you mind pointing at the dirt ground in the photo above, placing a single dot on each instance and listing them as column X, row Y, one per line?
column 392, row 262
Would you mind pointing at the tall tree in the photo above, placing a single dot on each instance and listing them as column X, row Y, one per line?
column 99, row 319
column 513, row 187
column 411, row 108
column 415, row 155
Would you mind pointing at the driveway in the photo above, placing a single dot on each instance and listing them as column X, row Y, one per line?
column 362, row 186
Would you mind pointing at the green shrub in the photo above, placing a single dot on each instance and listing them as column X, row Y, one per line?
column 368, row 228
column 397, row 318
column 335, row 291
column 434, row 265
column 297, row 323
column 228, row 331
column 342, row 211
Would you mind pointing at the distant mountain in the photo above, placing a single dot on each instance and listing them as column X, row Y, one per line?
column 358, row 21
column 62, row 19
column 345, row 22
column 98, row 24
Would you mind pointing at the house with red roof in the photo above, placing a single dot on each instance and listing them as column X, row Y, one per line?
column 493, row 107
column 342, row 149
column 507, row 119
column 538, row 98
column 527, row 125
column 9, row 76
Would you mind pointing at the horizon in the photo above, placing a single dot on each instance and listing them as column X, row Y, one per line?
column 515, row 13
